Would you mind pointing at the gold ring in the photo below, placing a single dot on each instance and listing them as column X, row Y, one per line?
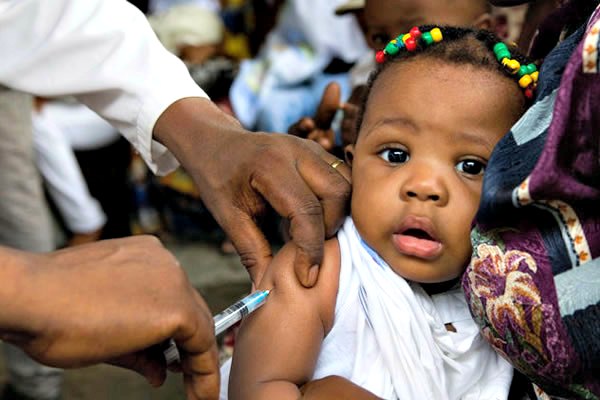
column 336, row 163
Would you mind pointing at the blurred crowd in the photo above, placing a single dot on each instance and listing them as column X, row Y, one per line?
column 265, row 62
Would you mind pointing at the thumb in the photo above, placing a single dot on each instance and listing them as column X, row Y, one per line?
column 330, row 102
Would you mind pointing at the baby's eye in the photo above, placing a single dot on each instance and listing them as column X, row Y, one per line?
column 471, row 167
column 380, row 39
column 394, row 156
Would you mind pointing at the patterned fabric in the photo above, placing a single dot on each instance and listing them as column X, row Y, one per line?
column 534, row 281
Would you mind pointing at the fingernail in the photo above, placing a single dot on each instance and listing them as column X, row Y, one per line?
column 313, row 274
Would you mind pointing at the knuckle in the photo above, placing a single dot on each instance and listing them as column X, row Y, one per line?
column 307, row 208
column 249, row 261
column 314, row 249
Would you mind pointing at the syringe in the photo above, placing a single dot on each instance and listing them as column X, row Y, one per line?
column 225, row 319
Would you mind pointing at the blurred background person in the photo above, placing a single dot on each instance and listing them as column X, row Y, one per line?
column 308, row 48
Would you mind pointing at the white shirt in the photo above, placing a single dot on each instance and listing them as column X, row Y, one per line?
column 104, row 53
column 389, row 336
column 59, row 168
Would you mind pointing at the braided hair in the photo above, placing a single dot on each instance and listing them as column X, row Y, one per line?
column 462, row 46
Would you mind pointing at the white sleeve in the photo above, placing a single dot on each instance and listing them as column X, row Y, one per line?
column 103, row 52
column 57, row 165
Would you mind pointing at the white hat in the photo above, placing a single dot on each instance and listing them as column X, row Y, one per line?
column 187, row 24
column 349, row 6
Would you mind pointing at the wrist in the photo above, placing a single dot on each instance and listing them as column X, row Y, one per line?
column 15, row 292
column 191, row 126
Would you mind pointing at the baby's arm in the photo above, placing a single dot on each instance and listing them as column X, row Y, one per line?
column 277, row 346
column 335, row 387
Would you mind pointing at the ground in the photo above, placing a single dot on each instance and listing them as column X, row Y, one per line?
column 220, row 279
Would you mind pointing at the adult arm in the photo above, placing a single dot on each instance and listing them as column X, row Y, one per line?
column 103, row 51
column 87, row 304
column 277, row 347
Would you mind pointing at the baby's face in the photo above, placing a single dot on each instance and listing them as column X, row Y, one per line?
column 386, row 19
column 428, row 131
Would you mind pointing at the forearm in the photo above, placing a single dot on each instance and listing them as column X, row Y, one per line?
column 335, row 387
column 195, row 129
column 281, row 390
column 330, row 388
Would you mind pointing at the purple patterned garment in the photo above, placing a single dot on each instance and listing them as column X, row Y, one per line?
column 533, row 284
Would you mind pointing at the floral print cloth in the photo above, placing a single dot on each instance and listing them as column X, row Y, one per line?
column 533, row 284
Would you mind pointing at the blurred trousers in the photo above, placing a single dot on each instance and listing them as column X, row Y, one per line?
column 25, row 225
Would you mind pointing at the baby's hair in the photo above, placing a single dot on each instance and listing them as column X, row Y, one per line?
column 462, row 46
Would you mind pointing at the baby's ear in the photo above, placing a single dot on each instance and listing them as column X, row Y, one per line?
column 484, row 21
column 349, row 154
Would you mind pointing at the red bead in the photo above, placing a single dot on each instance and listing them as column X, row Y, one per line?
column 380, row 56
column 411, row 44
column 415, row 32
column 529, row 93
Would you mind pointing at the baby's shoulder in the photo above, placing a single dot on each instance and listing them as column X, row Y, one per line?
column 281, row 277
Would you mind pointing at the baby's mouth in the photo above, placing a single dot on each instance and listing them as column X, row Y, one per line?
column 418, row 243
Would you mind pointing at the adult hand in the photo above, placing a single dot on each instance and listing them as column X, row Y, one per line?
column 318, row 128
column 238, row 172
column 112, row 301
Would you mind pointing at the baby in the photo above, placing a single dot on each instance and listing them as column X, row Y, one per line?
column 387, row 312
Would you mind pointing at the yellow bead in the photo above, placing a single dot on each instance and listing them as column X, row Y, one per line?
column 393, row 41
column 535, row 76
column 525, row 81
column 405, row 36
column 436, row 34
column 514, row 66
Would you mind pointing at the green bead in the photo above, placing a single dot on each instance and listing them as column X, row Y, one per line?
column 391, row 49
column 522, row 71
column 500, row 48
column 502, row 54
column 501, row 51
column 426, row 37
column 531, row 68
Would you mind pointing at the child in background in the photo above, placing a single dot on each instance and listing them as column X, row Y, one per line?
column 308, row 48
column 382, row 20
column 387, row 312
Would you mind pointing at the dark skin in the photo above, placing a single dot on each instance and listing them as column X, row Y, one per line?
column 249, row 170
column 334, row 387
column 64, row 301
column 118, row 301
column 68, row 310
